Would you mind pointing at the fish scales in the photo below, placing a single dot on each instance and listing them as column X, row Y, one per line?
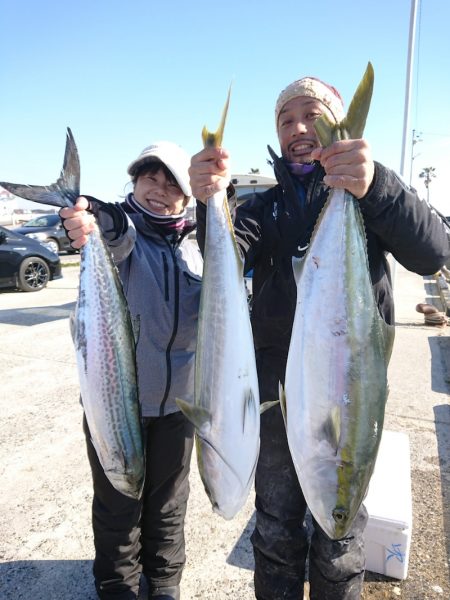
column 104, row 342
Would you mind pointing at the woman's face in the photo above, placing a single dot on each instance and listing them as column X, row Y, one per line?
column 155, row 192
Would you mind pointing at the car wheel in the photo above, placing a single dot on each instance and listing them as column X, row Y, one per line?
column 52, row 245
column 34, row 274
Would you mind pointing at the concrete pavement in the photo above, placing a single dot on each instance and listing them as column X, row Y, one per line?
column 45, row 538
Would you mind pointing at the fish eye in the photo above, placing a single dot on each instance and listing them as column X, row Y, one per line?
column 340, row 515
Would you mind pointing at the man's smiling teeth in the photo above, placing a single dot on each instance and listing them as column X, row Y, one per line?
column 300, row 147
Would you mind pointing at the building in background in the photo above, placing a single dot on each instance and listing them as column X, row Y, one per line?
column 250, row 183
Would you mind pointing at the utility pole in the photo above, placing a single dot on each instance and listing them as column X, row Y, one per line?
column 412, row 34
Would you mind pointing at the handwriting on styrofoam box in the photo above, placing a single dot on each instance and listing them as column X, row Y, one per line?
column 395, row 552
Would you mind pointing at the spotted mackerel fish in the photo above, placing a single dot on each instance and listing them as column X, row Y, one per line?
column 103, row 337
column 336, row 376
column 226, row 400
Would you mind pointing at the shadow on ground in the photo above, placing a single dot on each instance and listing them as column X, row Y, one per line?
column 242, row 553
column 442, row 424
column 47, row 580
column 35, row 315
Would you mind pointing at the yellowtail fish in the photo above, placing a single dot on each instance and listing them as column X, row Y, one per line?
column 336, row 376
column 226, row 405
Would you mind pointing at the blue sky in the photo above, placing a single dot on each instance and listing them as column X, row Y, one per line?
column 125, row 74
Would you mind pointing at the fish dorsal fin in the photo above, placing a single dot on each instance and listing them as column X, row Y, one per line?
column 352, row 126
column 64, row 191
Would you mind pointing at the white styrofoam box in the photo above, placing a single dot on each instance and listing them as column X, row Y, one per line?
column 388, row 502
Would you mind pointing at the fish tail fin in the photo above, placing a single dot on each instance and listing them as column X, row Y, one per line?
column 355, row 121
column 64, row 191
column 215, row 139
column 352, row 126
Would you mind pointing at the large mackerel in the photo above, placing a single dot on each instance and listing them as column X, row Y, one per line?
column 226, row 404
column 103, row 337
column 336, row 375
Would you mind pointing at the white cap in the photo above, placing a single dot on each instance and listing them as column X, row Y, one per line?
column 173, row 156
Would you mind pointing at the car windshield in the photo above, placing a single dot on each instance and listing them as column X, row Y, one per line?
column 43, row 221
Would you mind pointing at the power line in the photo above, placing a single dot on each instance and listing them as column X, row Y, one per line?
column 435, row 134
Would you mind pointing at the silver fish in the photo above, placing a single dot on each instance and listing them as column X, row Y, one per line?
column 226, row 405
column 103, row 337
column 336, row 376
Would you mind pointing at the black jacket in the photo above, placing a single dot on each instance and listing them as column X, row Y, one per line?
column 273, row 226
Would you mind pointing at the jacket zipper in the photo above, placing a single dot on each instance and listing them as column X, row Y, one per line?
column 175, row 318
column 166, row 276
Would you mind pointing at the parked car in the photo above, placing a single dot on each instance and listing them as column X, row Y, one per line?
column 48, row 229
column 25, row 263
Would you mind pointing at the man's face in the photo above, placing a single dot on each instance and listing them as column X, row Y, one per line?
column 296, row 132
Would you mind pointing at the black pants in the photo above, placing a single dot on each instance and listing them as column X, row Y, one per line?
column 280, row 540
column 146, row 535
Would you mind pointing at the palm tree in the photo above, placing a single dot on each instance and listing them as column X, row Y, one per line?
column 427, row 174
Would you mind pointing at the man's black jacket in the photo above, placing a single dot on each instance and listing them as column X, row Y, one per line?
column 273, row 226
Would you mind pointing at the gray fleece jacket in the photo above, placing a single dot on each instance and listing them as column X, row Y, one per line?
column 162, row 280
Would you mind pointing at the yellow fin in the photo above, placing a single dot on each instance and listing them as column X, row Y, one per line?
column 358, row 110
column 352, row 126
column 215, row 139
column 266, row 405
column 331, row 428
column 199, row 417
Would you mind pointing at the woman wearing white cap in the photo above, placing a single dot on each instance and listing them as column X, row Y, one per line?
column 161, row 273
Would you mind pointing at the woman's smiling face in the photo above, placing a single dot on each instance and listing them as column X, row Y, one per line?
column 156, row 192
